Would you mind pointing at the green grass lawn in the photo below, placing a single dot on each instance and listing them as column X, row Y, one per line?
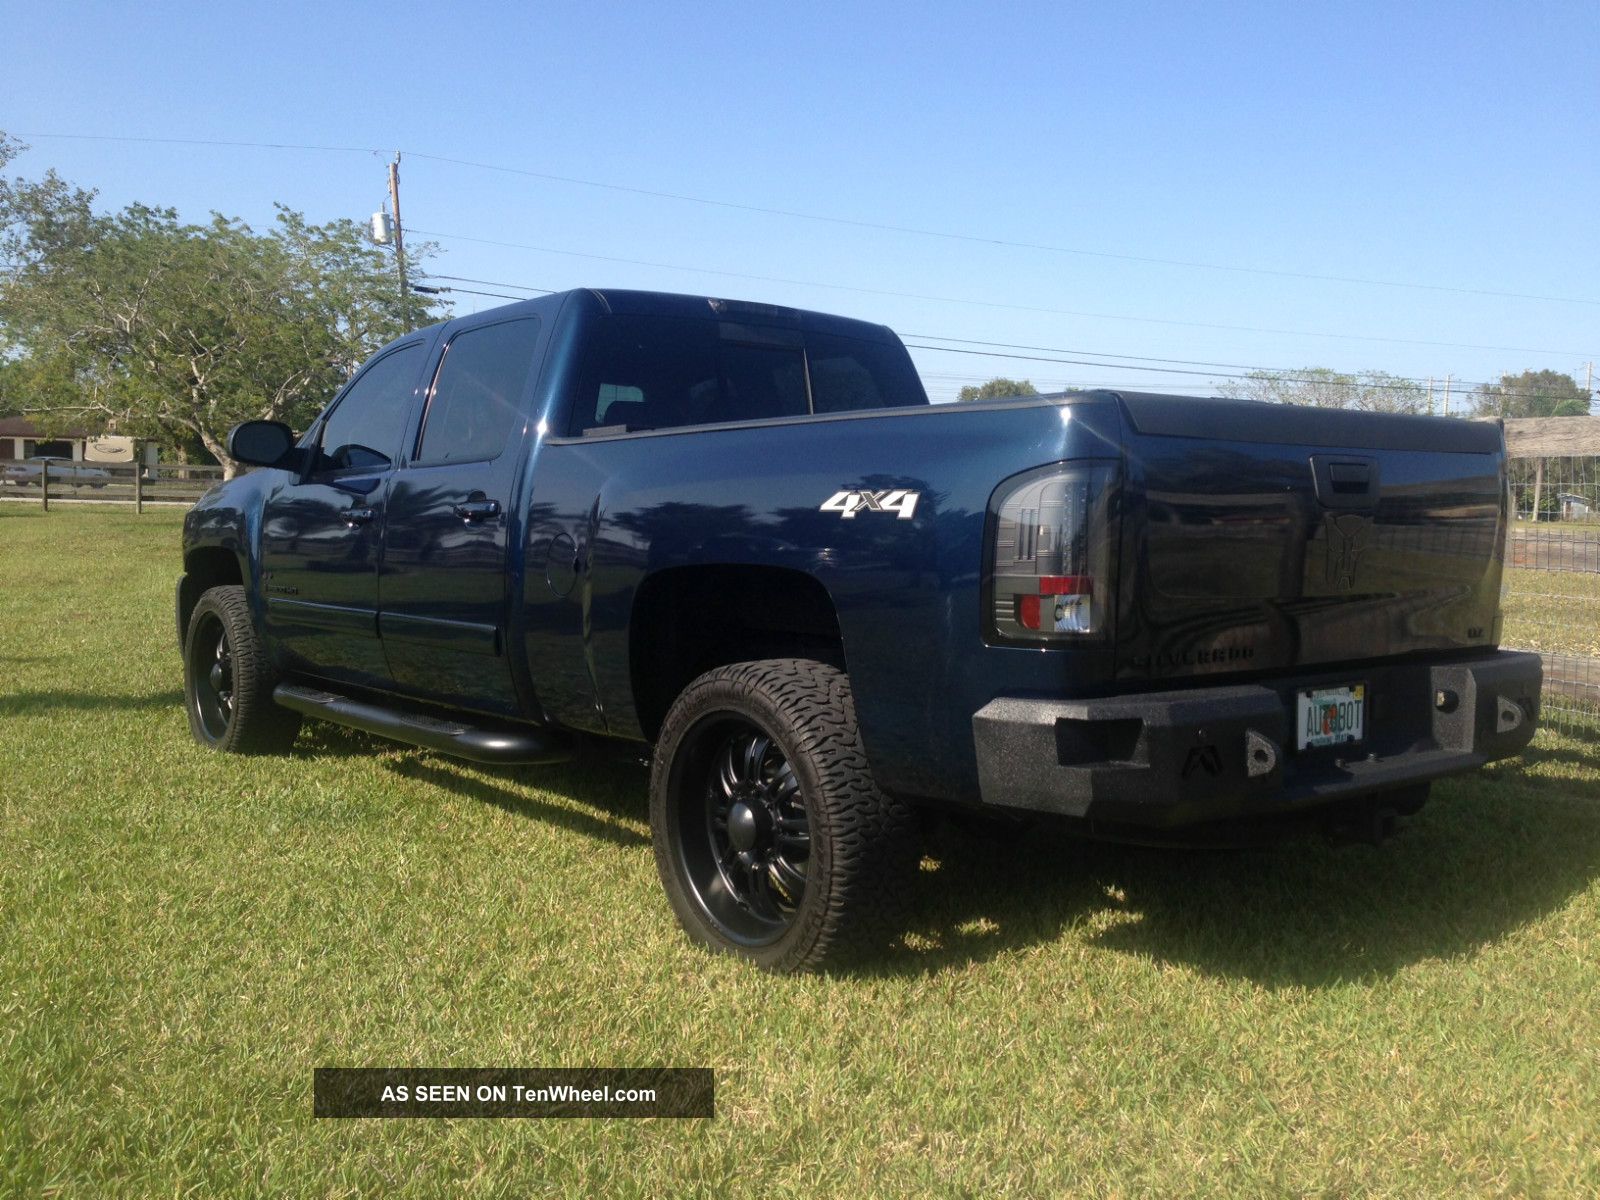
column 184, row 936
column 1554, row 611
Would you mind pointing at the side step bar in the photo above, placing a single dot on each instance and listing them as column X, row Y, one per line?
column 504, row 744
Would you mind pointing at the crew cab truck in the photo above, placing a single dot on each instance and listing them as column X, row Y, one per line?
column 740, row 535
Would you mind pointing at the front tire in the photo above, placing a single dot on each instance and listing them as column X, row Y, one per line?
column 228, row 679
column 773, row 841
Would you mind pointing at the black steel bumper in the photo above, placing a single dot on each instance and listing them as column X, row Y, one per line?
column 1169, row 759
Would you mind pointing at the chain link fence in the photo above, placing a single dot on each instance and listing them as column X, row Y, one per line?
column 1552, row 583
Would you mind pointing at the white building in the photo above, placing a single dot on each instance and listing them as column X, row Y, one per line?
column 20, row 438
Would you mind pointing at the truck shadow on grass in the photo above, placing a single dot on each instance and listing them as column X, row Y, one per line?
column 1571, row 748
column 1488, row 855
column 21, row 704
column 607, row 801
column 606, row 794
column 1485, row 858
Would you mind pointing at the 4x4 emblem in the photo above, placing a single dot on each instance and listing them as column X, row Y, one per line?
column 899, row 501
column 1348, row 535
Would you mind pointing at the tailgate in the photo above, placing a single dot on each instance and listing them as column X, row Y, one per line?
column 1258, row 537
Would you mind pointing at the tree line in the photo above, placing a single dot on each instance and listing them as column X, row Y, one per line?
column 1541, row 393
column 139, row 323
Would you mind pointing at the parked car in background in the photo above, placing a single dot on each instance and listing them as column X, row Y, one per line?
column 62, row 470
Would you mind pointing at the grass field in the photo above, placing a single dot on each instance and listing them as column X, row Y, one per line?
column 183, row 937
column 1554, row 611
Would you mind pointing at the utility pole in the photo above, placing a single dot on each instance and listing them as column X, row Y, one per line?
column 1588, row 383
column 1446, row 383
column 1430, row 395
column 399, row 240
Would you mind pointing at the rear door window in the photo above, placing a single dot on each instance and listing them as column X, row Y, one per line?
column 476, row 399
column 649, row 372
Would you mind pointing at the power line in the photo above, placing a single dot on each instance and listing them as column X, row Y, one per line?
column 1057, row 312
column 885, row 227
column 1396, row 383
column 434, row 291
column 494, row 283
column 852, row 222
column 1131, row 359
column 1192, row 362
column 1393, row 383
column 1289, row 375
column 1082, row 362
column 169, row 141
column 1277, row 375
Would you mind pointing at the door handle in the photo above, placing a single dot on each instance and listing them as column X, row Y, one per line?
column 356, row 487
column 477, row 510
column 358, row 516
column 1349, row 477
column 1345, row 481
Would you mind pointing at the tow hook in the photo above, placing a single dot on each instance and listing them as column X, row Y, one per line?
column 1361, row 825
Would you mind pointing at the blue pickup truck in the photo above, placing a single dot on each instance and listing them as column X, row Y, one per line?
column 739, row 535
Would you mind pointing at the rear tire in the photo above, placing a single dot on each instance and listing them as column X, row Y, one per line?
column 228, row 679
column 773, row 841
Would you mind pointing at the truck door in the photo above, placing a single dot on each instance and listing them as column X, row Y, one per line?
column 443, row 595
column 321, row 534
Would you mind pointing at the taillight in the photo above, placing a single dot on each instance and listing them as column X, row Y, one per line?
column 1049, row 569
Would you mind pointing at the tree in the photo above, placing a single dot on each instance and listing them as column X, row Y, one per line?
column 998, row 389
column 1322, row 387
column 1534, row 394
column 11, row 388
column 139, row 322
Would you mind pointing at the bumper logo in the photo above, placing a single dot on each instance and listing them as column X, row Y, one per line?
column 1202, row 758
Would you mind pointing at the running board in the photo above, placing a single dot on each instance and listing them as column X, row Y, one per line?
column 486, row 745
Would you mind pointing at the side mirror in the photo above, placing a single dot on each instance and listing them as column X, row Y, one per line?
column 261, row 443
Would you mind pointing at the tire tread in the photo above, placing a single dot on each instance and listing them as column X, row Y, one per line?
column 872, row 847
column 259, row 725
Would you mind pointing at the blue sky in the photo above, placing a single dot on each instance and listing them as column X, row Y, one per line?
column 1453, row 145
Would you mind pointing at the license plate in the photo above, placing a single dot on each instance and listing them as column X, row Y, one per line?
column 1331, row 716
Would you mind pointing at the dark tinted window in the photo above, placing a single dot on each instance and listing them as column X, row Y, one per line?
column 365, row 426
column 849, row 374
column 477, row 395
column 662, row 372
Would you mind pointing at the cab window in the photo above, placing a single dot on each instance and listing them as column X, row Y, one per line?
column 364, row 429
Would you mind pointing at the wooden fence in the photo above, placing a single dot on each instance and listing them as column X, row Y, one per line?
column 49, row 483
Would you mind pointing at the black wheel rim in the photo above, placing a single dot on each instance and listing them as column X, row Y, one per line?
column 743, row 828
column 211, row 676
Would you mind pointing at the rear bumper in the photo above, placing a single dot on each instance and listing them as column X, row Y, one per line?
column 1169, row 759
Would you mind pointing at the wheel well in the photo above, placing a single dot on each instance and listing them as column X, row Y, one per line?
column 689, row 620
column 204, row 569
